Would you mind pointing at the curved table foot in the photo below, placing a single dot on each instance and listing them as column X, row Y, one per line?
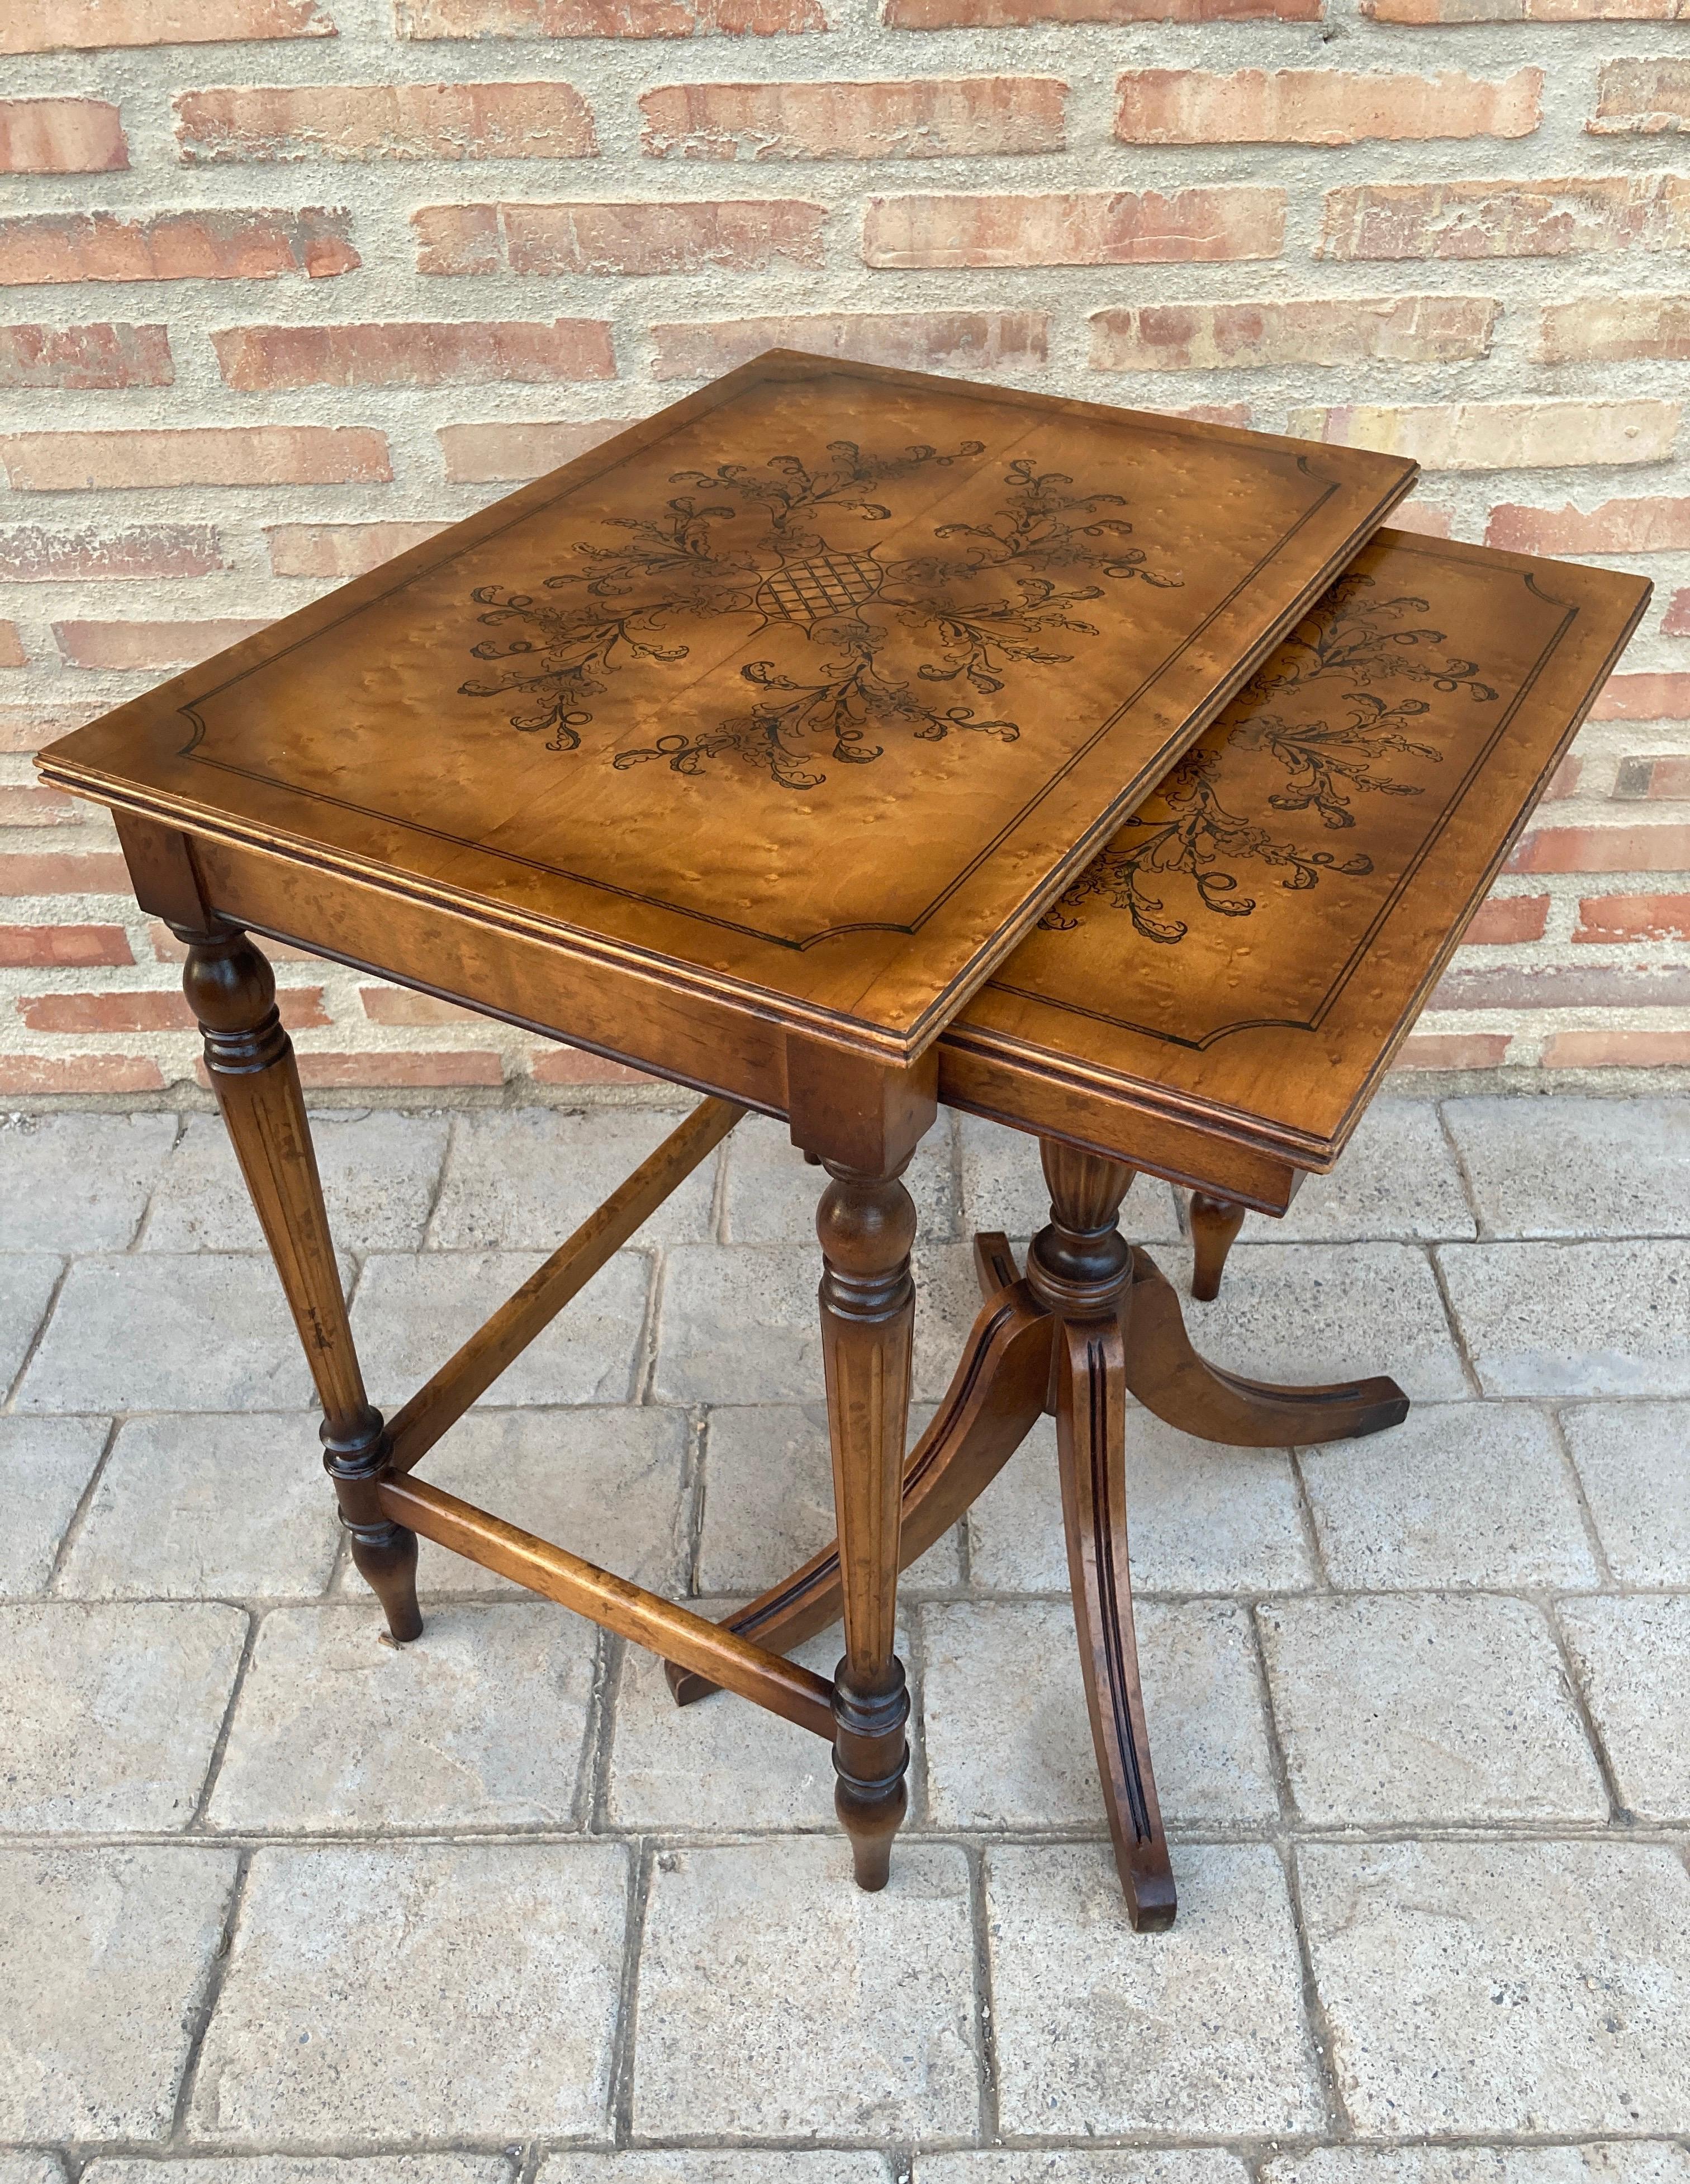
column 1091, row 1379
column 995, row 1395
column 1215, row 1224
column 1167, row 1377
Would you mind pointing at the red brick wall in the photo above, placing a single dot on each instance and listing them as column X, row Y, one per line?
column 289, row 283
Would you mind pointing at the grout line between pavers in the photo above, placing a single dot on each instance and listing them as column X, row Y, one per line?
column 621, row 2087
column 1482, row 1232
column 220, row 1745
column 986, row 2011
column 1558, row 1431
column 1339, row 2123
column 1311, row 1530
column 593, row 1790
column 14, row 1387
column 210, row 1996
column 644, row 1374
column 1457, row 1336
column 1619, row 1812
column 79, row 1516
column 426, row 1228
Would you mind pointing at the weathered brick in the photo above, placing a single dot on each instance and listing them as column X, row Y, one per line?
column 44, row 947
column 471, row 1066
column 1644, row 697
column 1236, row 414
column 83, row 358
column 415, row 353
column 79, row 1073
column 44, row 26
column 1075, row 227
column 1524, row 11
column 1320, row 106
column 390, row 1005
column 385, row 121
column 1507, row 918
column 25, row 805
column 569, row 1065
column 211, row 454
column 1615, row 329
column 1565, row 986
column 921, row 118
column 151, row 1009
column 32, row 872
column 1656, row 525
column 606, row 19
column 1641, row 98
column 1676, row 622
column 1500, row 435
column 1507, row 220
column 124, row 644
column 12, row 652
column 1565, row 780
column 1667, row 775
column 233, row 243
column 1423, row 517
column 1604, row 849
column 31, row 555
column 483, row 454
column 919, row 341
column 1472, row 1050
column 60, row 136
column 341, row 550
column 1615, row 1050
column 740, row 235
column 1615, row 919
column 1308, row 330
column 26, row 728
column 1003, row 15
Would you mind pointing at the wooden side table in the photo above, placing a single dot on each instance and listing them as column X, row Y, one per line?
column 743, row 750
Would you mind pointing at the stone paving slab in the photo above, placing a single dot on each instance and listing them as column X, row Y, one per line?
column 27, row 1281
column 1427, row 1709
column 79, row 1183
column 695, row 2166
column 777, row 2001
column 608, row 1484
column 1007, row 1741
column 473, row 1995
column 1633, row 1460
column 164, row 1332
column 1004, row 1188
column 1573, row 1319
column 1200, row 1518
column 1316, row 1313
column 1198, row 2033
column 379, row 1172
column 410, row 1314
column 523, row 1179
column 1208, row 2165
column 481, row 1723
column 1633, row 1659
column 768, row 1500
column 1648, row 2162
column 1459, row 1494
column 1567, row 1167
column 721, row 1762
column 199, row 1507
column 309, row 2169
column 1397, row 1179
column 31, row 2168
column 771, row 1191
column 1486, row 1988
column 109, row 1714
column 44, row 1467
column 105, row 1955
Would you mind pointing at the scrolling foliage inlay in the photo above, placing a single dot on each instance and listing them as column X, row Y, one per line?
column 1314, row 709
column 775, row 542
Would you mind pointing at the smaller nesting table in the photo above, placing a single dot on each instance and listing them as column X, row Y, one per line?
column 794, row 746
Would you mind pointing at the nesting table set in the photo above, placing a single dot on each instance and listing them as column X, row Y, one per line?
column 844, row 744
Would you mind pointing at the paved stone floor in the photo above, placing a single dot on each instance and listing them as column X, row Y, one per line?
column 283, row 1904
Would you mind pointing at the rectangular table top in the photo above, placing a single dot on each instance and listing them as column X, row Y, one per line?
column 805, row 696
column 1245, row 956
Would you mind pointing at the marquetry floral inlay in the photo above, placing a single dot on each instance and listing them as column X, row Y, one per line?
column 781, row 544
column 1317, row 711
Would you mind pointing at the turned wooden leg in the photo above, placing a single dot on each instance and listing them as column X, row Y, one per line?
column 1215, row 1224
column 1081, row 1266
column 867, row 1225
column 250, row 1058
